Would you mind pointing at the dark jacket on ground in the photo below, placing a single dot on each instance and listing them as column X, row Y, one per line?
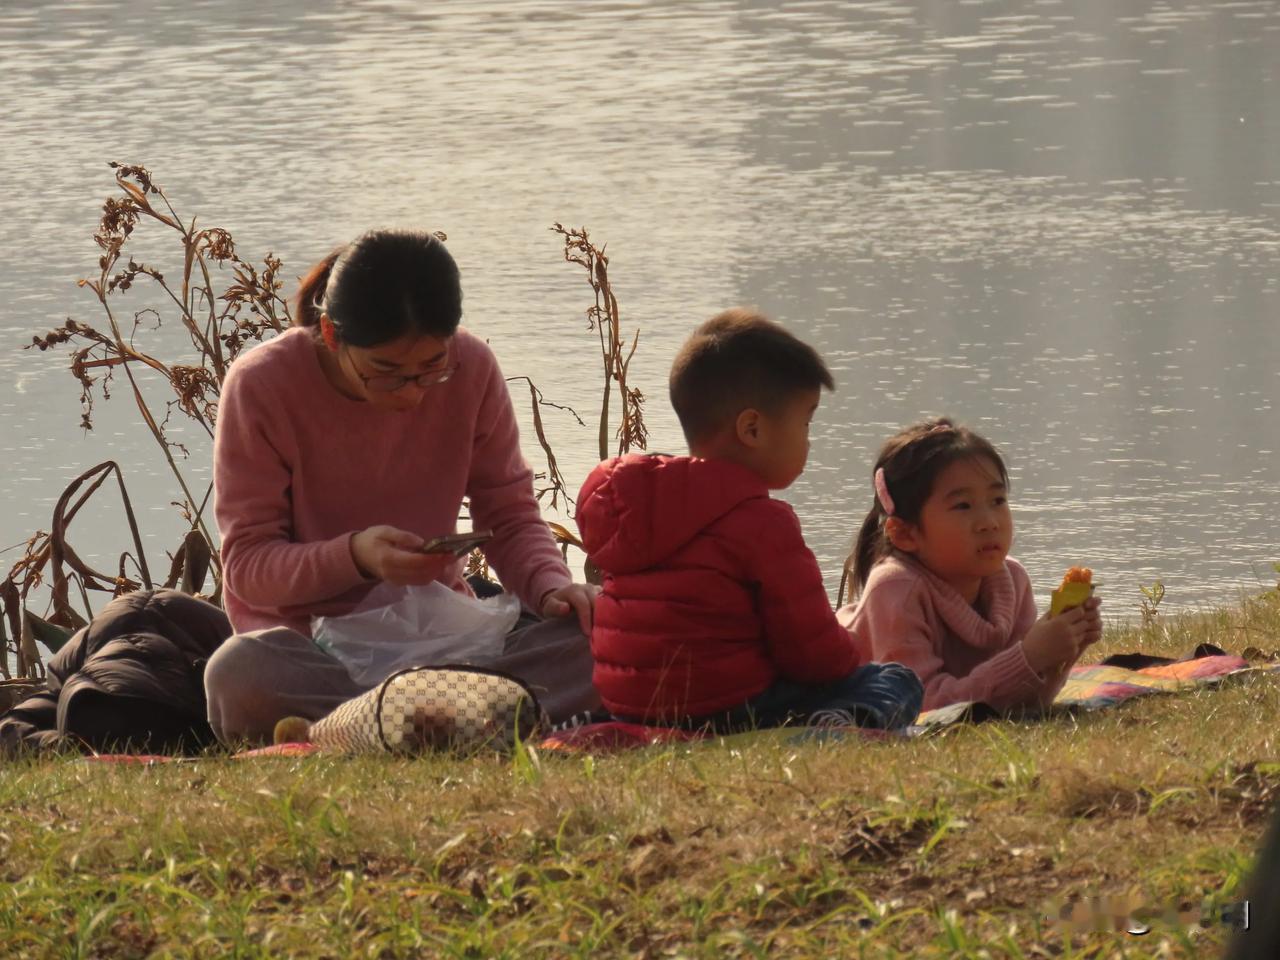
column 133, row 679
column 710, row 594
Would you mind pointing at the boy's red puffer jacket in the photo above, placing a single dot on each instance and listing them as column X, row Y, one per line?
column 710, row 593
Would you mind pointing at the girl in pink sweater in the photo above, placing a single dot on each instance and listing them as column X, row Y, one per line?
column 938, row 590
column 341, row 446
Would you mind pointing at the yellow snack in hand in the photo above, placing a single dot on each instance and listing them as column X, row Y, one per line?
column 1076, row 588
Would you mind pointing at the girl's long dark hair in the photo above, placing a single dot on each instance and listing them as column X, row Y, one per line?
column 382, row 286
column 912, row 459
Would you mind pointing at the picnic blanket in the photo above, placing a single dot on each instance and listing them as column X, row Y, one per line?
column 1091, row 686
column 151, row 759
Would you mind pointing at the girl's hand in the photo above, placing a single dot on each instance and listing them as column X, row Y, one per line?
column 579, row 597
column 1057, row 641
column 1093, row 619
column 386, row 553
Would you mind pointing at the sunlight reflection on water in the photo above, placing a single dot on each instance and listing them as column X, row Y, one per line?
column 1057, row 223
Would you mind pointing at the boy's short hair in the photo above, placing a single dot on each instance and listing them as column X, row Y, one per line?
column 736, row 360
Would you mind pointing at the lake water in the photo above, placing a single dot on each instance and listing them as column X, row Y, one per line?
column 1057, row 221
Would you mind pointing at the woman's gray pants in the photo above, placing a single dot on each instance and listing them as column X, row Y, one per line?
column 255, row 679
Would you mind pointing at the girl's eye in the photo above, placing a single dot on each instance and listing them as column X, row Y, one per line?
column 960, row 505
column 1001, row 501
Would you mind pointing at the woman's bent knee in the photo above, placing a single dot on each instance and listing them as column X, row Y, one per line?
column 239, row 688
column 229, row 682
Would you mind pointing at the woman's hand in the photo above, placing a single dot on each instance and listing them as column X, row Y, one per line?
column 1058, row 641
column 386, row 553
column 580, row 597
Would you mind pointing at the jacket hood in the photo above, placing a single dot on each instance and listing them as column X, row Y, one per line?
column 635, row 511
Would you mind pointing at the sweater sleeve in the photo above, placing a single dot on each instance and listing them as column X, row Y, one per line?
column 892, row 613
column 252, row 474
column 500, row 486
column 804, row 639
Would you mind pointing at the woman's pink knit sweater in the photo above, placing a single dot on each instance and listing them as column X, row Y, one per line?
column 299, row 468
column 960, row 651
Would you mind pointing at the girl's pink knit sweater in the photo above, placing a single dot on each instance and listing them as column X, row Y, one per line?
column 959, row 651
column 299, row 468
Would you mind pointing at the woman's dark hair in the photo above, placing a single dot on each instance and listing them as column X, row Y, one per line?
column 912, row 459
column 382, row 286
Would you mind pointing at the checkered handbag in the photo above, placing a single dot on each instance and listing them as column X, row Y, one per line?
column 458, row 708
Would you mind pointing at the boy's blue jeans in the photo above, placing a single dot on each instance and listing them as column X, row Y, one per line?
column 884, row 696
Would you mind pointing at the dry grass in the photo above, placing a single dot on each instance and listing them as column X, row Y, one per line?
column 751, row 846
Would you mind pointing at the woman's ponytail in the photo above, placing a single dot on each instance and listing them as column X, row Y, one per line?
column 311, row 289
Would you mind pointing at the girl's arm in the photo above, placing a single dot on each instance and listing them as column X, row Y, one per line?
column 500, row 486
column 252, row 476
column 892, row 616
column 1050, row 681
column 805, row 641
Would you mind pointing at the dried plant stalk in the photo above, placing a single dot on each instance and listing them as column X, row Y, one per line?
column 615, row 359
column 219, row 325
column 53, row 551
column 555, row 479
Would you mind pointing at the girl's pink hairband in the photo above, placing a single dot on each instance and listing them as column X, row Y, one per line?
column 882, row 492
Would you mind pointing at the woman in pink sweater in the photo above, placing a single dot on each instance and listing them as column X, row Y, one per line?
column 341, row 446
column 938, row 590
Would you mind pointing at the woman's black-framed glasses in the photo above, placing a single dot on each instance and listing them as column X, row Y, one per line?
column 390, row 383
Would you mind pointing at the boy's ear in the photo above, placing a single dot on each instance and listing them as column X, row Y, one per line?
column 901, row 534
column 747, row 427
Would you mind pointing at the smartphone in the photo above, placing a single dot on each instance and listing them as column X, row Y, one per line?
column 458, row 544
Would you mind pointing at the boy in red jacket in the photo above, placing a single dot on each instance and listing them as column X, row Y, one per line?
column 713, row 611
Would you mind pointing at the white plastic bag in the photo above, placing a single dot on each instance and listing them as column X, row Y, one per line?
column 398, row 627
